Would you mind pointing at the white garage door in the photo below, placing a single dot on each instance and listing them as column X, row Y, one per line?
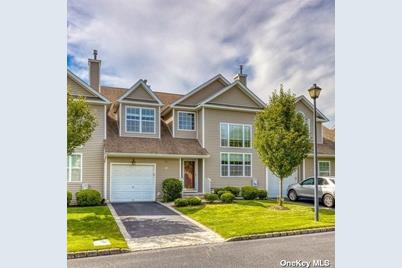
column 273, row 184
column 132, row 183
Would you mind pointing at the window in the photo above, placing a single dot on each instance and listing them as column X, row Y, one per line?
column 309, row 181
column 140, row 120
column 186, row 121
column 322, row 181
column 74, row 168
column 235, row 135
column 324, row 168
column 235, row 164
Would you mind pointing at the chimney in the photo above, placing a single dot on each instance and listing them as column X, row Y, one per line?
column 242, row 78
column 94, row 72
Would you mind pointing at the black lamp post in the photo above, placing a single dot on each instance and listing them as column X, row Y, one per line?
column 314, row 92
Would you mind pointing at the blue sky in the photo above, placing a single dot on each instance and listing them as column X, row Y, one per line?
column 177, row 45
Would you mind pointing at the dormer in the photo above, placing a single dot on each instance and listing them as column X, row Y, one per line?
column 139, row 112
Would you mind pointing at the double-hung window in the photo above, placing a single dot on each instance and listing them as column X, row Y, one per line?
column 324, row 168
column 74, row 167
column 235, row 164
column 186, row 121
column 140, row 120
column 235, row 135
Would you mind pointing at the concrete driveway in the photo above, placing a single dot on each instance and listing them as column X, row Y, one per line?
column 150, row 225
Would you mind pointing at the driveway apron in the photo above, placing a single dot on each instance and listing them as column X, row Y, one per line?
column 149, row 225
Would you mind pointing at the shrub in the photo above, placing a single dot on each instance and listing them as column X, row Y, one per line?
column 249, row 192
column 211, row 197
column 171, row 189
column 69, row 197
column 194, row 201
column 221, row 192
column 181, row 202
column 216, row 190
column 234, row 190
column 88, row 197
column 227, row 197
column 261, row 194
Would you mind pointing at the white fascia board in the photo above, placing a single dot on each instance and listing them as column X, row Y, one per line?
column 147, row 155
column 87, row 87
column 216, row 77
column 141, row 103
column 247, row 91
column 322, row 155
column 311, row 106
column 219, row 107
column 135, row 86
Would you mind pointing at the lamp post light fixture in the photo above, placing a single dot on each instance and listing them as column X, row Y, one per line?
column 314, row 92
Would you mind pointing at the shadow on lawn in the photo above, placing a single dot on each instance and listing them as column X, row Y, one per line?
column 252, row 203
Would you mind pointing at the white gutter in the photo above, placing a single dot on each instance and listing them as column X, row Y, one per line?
column 146, row 155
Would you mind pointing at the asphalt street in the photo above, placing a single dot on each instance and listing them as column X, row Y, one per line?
column 270, row 252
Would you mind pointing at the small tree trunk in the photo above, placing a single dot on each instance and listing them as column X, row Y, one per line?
column 280, row 194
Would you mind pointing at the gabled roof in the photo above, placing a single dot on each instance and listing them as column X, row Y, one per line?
column 135, row 87
column 200, row 87
column 167, row 98
column 309, row 105
column 113, row 93
column 243, row 88
column 78, row 80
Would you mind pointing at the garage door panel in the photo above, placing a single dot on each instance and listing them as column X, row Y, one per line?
column 273, row 184
column 132, row 183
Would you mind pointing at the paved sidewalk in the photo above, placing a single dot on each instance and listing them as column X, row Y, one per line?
column 150, row 225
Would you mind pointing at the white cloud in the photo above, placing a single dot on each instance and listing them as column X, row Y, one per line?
column 177, row 45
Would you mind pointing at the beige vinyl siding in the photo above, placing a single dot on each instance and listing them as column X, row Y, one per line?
column 75, row 89
column 310, row 165
column 144, row 135
column 199, row 126
column 140, row 94
column 165, row 168
column 200, row 176
column 301, row 107
column 234, row 97
column 92, row 156
column 184, row 133
column 203, row 93
column 213, row 118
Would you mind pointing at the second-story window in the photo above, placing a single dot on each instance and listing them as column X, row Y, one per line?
column 186, row 121
column 235, row 135
column 140, row 120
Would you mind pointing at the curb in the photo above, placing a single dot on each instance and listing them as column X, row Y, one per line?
column 94, row 253
column 281, row 234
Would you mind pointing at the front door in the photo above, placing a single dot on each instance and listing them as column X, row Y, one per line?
column 189, row 174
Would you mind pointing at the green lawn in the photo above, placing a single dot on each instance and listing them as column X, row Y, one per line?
column 254, row 217
column 85, row 224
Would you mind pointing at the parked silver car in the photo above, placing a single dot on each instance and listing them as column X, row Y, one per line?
column 305, row 189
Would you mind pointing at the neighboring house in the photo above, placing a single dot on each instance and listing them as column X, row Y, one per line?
column 203, row 137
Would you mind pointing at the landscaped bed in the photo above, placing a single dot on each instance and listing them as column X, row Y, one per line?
column 255, row 217
column 86, row 224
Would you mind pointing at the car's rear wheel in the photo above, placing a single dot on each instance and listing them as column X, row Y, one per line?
column 328, row 200
column 292, row 195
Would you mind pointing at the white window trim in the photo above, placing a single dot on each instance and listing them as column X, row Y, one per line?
column 329, row 167
column 230, row 176
column 178, row 121
column 69, row 167
column 139, row 107
column 243, row 125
